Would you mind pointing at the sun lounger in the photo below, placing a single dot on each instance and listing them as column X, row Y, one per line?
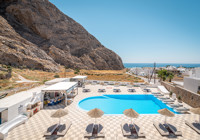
column 131, row 90
column 194, row 125
column 159, row 95
column 100, row 132
column 167, row 100
column 64, row 128
column 89, row 130
column 181, row 109
column 139, row 131
column 161, row 129
column 116, row 90
column 50, row 130
column 174, row 129
column 175, row 105
column 146, row 90
column 125, row 129
column 86, row 90
column 156, row 93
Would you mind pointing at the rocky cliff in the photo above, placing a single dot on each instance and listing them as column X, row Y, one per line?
column 35, row 34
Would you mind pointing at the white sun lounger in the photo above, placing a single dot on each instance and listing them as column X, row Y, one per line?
column 181, row 109
column 50, row 130
column 64, row 128
column 100, row 132
column 89, row 130
column 139, row 131
column 156, row 93
column 175, row 105
column 168, row 100
column 194, row 125
column 125, row 129
column 161, row 129
column 174, row 129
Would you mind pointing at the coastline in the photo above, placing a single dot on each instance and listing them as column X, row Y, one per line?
column 186, row 65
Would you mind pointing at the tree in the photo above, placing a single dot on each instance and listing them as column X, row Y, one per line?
column 164, row 74
column 170, row 76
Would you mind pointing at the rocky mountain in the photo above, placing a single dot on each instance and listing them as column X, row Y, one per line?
column 35, row 34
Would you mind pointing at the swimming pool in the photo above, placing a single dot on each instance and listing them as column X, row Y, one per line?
column 116, row 104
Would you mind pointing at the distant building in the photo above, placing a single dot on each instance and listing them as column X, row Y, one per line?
column 192, row 83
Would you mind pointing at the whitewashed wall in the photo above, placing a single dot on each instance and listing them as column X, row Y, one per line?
column 191, row 84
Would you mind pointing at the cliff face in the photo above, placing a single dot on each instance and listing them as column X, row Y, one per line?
column 38, row 35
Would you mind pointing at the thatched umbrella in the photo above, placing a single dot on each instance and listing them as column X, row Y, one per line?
column 166, row 113
column 59, row 113
column 196, row 111
column 131, row 113
column 95, row 113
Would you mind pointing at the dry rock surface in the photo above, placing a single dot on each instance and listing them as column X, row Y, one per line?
column 35, row 34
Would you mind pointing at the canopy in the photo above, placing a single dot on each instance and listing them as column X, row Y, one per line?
column 131, row 113
column 163, row 90
column 79, row 77
column 167, row 113
column 59, row 113
column 61, row 86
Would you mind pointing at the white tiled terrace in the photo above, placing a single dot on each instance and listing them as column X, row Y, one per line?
column 35, row 127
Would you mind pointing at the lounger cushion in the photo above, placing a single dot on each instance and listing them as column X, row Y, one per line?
column 64, row 128
column 139, row 131
column 174, row 130
column 195, row 126
column 50, row 130
column 89, row 130
column 161, row 129
column 125, row 129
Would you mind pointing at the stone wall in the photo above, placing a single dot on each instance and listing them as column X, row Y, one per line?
column 189, row 97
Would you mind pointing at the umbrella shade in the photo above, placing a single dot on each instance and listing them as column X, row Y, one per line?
column 131, row 113
column 95, row 113
column 59, row 113
column 166, row 112
column 196, row 111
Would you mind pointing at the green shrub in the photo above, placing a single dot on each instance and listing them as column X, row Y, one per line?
column 56, row 76
column 170, row 93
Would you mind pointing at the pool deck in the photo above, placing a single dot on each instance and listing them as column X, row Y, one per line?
column 35, row 127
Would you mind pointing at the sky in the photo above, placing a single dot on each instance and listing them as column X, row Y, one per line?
column 141, row 31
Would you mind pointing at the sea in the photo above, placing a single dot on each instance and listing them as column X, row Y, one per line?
column 132, row 65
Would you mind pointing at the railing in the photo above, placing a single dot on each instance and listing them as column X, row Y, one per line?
column 14, row 90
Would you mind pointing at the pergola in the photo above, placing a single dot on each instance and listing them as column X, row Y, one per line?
column 65, row 87
column 61, row 87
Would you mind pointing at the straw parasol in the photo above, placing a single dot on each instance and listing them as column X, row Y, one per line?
column 95, row 113
column 166, row 113
column 59, row 113
column 131, row 113
column 196, row 111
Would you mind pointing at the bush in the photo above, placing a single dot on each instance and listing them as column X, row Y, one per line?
column 45, row 80
column 170, row 94
column 75, row 72
column 56, row 76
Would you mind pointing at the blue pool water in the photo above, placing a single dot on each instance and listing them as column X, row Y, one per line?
column 116, row 104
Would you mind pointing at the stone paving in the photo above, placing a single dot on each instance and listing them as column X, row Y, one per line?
column 35, row 127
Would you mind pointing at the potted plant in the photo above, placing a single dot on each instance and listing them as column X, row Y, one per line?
column 170, row 94
column 179, row 99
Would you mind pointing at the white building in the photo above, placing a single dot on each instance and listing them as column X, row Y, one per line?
column 17, row 108
column 192, row 83
column 80, row 79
